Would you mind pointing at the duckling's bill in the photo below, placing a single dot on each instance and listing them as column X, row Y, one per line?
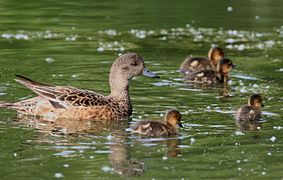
column 148, row 73
column 180, row 125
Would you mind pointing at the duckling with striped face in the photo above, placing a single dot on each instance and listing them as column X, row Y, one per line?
column 211, row 76
column 193, row 64
column 172, row 118
column 250, row 112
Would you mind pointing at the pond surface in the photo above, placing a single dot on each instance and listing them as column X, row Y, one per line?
column 75, row 42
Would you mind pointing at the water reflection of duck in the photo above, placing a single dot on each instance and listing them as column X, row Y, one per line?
column 120, row 157
column 173, row 147
column 193, row 64
column 69, row 102
column 211, row 76
column 158, row 128
column 251, row 112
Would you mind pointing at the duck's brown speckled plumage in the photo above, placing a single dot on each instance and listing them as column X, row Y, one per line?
column 158, row 128
column 250, row 112
column 211, row 76
column 192, row 64
column 70, row 102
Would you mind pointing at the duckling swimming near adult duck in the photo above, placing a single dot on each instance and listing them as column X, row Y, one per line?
column 250, row 112
column 211, row 76
column 192, row 64
column 172, row 118
column 70, row 102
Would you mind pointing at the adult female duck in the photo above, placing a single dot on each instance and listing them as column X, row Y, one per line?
column 70, row 102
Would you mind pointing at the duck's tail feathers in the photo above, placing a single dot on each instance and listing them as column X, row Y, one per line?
column 28, row 82
column 7, row 105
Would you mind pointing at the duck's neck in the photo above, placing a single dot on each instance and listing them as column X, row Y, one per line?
column 119, row 88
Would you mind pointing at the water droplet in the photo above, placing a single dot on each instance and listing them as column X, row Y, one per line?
column 58, row 175
column 229, row 9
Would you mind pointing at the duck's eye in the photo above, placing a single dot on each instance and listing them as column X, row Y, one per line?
column 135, row 63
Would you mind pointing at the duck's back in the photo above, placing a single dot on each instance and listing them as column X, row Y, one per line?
column 203, row 76
column 193, row 64
column 153, row 128
column 247, row 113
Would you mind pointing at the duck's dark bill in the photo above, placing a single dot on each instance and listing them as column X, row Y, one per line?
column 180, row 125
column 148, row 73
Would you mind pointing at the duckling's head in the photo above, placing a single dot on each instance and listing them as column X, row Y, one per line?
column 173, row 117
column 255, row 100
column 130, row 65
column 215, row 54
column 225, row 66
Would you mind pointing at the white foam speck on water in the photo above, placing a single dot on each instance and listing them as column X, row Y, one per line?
column 239, row 133
column 71, row 38
column 109, row 32
column 58, row 175
column 257, row 17
column 269, row 153
column 277, row 127
column 164, row 158
column 109, row 137
column 100, row 49
column 192, row 140
column 279, row 70
column 15, row 36
column 229, row 9
column 66, row 165
column 106, row 168
column 49, row 60
column 263, row 173
column 273, row 138
column 103, row 152
column 64, row 153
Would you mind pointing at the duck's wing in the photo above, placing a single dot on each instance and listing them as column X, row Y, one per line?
column 192, row 64
column 63, row 96
column 150, row 128
column 203, row 76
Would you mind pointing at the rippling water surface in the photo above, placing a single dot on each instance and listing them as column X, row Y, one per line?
column 74, row 43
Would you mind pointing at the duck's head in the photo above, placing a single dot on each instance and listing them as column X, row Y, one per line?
column 130, row 65
column 225, row 66
column 215, row 54
column 173, row 117
column 255, row 100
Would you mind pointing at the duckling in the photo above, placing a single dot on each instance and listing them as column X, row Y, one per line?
column 250, row 112
column 211, row 76
column 158, row 128
column 192, row 64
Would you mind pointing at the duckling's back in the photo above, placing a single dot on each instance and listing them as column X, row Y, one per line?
column 193, row 64
column 203, row 76
column 248, row 113
column 153, row 128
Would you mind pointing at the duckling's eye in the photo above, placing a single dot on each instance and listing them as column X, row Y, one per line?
column 135, row 63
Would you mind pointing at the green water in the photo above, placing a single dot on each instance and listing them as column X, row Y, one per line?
column 75, row 42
